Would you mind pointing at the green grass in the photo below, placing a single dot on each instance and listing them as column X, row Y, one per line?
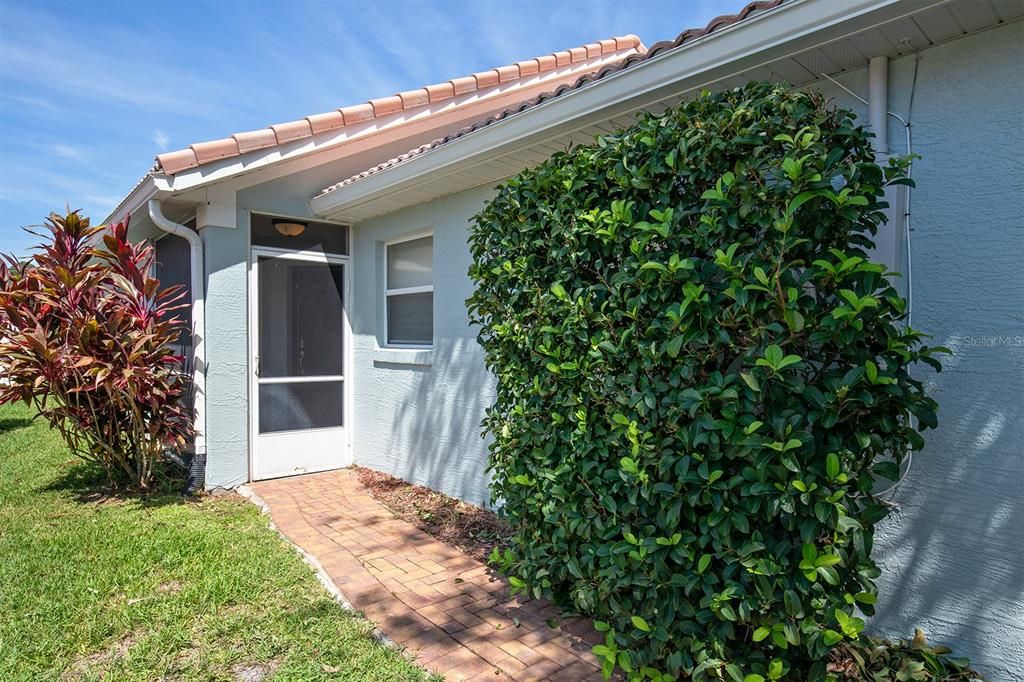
column 156, row 587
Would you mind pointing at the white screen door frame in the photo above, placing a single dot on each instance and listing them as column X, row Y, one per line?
column 306, row 450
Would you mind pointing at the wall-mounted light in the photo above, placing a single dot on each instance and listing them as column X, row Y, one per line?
column 289, row 228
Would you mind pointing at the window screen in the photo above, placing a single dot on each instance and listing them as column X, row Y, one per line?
column 410, row 292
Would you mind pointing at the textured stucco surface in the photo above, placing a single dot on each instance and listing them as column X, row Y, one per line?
column 951, row 553
column 227, row 390
column 227, row 322
column 421, row 422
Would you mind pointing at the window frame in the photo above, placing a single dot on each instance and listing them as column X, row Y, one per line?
column 422, row 289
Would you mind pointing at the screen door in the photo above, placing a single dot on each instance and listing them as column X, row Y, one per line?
column 299, row 363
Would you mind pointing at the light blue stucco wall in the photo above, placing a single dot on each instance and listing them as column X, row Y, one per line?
column 421, row 422
column 227, row 421
column 227, row 252
column 952, row 553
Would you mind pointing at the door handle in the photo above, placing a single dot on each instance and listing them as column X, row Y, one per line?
column 256, row 365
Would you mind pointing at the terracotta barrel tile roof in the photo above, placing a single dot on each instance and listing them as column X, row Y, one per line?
column 531, row 66
column 382, row 106
column 414, row 98
column 356, row 113
column 547, row 62
column 463, row 85
column 321, row 123
column 440, row 91
column 293, row 130
column 486, row 79
column 255, row 139
column 244, row 142
column 508, row 73
column 217, row 149
column 576, row 54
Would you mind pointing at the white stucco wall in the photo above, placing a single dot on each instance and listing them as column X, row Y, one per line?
column 421, row 421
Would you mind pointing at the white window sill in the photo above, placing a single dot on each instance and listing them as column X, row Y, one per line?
column 423, row 357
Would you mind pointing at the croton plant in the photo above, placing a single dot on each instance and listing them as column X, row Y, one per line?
column 85, row 336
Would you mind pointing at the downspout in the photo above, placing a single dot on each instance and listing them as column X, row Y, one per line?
column 878, row 102
column 197, row 471
column 878, row 110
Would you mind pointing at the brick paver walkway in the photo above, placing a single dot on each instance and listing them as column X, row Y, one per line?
column 449, row 610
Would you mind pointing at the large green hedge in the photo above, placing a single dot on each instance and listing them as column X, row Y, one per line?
column 700, row 379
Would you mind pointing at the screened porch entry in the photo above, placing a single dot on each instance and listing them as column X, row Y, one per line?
column 299, row 342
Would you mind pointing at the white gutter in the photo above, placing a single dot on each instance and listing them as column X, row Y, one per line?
column 143, row 191
column 198, row 318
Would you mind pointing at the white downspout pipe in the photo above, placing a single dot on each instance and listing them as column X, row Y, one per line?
column 878, row 113
column 889, row 239
column 198, row 323
column 878, row 102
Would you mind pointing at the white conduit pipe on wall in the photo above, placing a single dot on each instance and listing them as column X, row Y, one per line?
column 878, row 109
column 196, row 287
column 881, row 105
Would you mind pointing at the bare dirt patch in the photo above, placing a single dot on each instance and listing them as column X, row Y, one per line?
column 97, row 663
column 466, row 527
column 254, row 672
column 170, row 587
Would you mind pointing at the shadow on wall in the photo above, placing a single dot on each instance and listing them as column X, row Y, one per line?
column 438, row 421
column 951, row 554
column 951, row 551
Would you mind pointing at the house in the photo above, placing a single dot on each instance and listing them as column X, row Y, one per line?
column 328, row 266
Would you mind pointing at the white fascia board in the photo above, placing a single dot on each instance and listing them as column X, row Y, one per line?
column 309, row 152
column 136, row 200
column 280, row 160
column 786, row 30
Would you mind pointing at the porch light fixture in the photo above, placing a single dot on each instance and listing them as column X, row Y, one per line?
column 289, row 228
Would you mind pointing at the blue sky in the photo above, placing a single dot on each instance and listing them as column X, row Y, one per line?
column 91, row 91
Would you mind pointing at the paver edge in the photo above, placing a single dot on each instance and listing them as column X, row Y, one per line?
column 322, row 576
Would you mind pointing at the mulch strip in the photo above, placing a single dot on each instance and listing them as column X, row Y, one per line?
column 466, row 527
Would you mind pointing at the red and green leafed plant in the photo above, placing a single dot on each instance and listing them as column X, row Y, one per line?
column 85, row 336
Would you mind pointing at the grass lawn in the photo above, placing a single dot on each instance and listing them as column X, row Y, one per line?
column 157, row 587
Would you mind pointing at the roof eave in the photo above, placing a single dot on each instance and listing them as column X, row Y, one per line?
column 159, row 184
column 765, row 36
column 148, row 187
column 238, row 144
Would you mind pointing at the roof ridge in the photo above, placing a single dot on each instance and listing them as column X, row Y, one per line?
column 200, row 153
column 690, row 34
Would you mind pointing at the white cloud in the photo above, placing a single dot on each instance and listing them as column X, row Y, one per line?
column 161, row 139
column 36, row 103
column 146, row 82
column 66, row 151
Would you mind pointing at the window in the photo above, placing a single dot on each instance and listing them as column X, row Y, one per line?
column 409, row 292
column 173, row 263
